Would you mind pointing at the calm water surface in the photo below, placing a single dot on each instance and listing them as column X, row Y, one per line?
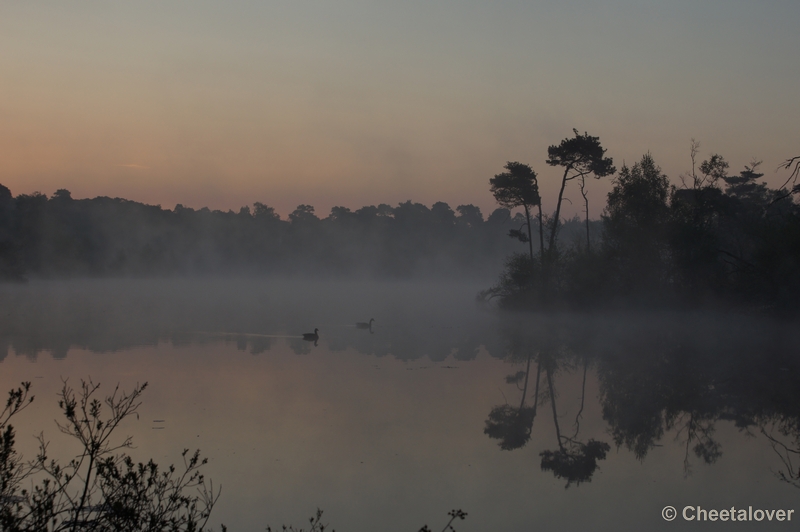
column 437, row 407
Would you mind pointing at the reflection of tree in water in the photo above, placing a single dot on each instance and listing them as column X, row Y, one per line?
column 260, row 345
column 300, row 346
column 513, row 426
column 641, row 405
column 688, row 378
column 699, row 433
column 782, row 429
column 679, row 374
column 109, row 315
column 789, row 455
column 574, row 460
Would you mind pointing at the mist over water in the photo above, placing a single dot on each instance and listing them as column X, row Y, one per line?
column 439, row 404
column 433, row 407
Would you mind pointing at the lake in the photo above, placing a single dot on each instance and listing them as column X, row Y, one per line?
column 440, row 405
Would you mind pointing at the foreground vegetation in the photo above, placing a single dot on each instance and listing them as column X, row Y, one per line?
column 103, row 489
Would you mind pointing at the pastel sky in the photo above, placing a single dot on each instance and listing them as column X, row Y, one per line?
column 356, row 102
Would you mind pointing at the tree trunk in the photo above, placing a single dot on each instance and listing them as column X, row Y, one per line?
column 536, row 398
column 553, row 403
column 558, row 210
column 525, row 387
column 586, row 204
column 583, row 398
column 541, row 234
column 530, row 235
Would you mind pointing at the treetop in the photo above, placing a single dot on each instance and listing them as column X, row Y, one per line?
column 517, row 187
column 582, row 154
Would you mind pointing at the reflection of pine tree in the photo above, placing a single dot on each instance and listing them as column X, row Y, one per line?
column 700, row 431
column 513, row 426
column 574, row 460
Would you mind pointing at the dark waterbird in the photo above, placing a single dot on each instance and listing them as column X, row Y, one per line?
column 311, row 337
column 364, row 325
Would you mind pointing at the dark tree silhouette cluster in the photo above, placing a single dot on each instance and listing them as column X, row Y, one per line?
column 717, row 239
column 60, row 237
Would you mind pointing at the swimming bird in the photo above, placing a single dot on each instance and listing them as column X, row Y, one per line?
column 311, row 337
column 363, row 325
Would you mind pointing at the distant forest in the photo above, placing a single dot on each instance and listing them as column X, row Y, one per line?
column 60, row 237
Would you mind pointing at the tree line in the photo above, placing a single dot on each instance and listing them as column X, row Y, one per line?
column 713, row 237
column 59, row 236
column 717, row 238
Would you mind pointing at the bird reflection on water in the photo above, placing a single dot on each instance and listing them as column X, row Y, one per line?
column 365, row 325
column 312, row 337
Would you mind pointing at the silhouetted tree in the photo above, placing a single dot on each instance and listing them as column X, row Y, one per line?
column 499, row 216
column 263, row 212
column 9, row 260
column 470, row 215
column 580, row 157
column 303, row 214
column 518, row 187
column 792, row 164
column 636, row 227
column 443, row 214
column 697, row 213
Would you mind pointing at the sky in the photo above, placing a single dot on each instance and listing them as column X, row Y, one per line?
column 356, row 102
